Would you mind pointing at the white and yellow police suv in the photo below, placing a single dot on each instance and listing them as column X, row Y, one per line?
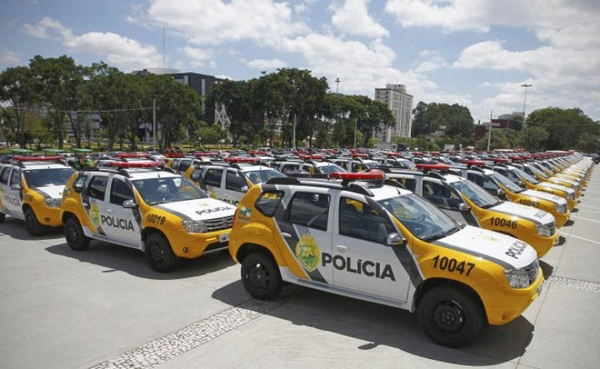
column 31, row 189
column 378, row 242
column 468, row 203
column 135, row 205
column 229, row 181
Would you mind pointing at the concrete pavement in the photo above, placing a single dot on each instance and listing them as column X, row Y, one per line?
column 106, row 308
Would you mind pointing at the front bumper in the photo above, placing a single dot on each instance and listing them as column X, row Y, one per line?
column 513, row 302
column 192, row 245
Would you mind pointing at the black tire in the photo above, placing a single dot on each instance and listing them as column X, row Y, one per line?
column 159, row 253
column 31, row 223
column 74, row 235
column 2, row 217
column 450, row 316
column 261, row 276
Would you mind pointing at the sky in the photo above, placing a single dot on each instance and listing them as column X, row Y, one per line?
column 475, row 53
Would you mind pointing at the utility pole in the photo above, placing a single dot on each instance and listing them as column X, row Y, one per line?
column 525, row 100
column 153, row 124
column 355, row 129
column 337, row 87
column 490, row 131
column 294, row 134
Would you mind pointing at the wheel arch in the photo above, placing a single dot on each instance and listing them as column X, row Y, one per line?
column 429, row 284
column 249, row 247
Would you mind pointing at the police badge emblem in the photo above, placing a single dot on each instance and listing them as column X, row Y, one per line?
column 308, row 253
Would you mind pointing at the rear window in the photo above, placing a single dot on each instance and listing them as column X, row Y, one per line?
column 268, row 202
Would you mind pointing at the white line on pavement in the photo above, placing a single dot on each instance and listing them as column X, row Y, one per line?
column 581, row 238
column 592, row 198
column 589, row 220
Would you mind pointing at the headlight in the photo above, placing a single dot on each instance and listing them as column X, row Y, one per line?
column 571, row 195
column 194, row 226
column 561, row 209
column 53, row 203
column 517, row 278
column 543, row 230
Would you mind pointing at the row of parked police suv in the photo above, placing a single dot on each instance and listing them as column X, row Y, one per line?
column 457, row 243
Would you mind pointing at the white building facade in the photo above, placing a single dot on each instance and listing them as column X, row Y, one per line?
column 400, row 103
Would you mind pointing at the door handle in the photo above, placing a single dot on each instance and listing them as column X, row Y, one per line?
column 342, row 248
column 285, row 234
column 108, row 211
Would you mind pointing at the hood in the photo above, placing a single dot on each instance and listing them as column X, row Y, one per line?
column 54, row 192
column 498, row 248
column 527, row 212
column 545, row 196
column 557, row 187
column 201, row 209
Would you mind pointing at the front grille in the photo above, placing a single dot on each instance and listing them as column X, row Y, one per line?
column 551, row 227
column 218, row 223
column 561, row 209
column 532, row 271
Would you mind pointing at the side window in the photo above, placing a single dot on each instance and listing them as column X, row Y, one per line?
column 196, row 175
column 360, row 220
column 79, row 182
column 268, row 202
column 477, row 178
column 213, row 177
column 16, row 178
column 409, row 183
column 235, row 181
column 184, row 165
column 119, row 192
column 175, row 164
column 4, row 175
column 310, row 209
column 488, row 184
column 290, row 167
column 440, row 195
column 97, row 187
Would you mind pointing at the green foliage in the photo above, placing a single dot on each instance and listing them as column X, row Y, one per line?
column 566, row 127
column 533, row 138
column 501, row 139
column 428, row 118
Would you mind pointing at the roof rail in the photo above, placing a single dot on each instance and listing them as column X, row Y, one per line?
column 344, row 185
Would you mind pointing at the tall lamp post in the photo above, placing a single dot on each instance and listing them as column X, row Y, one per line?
column 337, row 85
column 525, row 100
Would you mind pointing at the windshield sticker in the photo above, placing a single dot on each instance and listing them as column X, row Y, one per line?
column 308, row 253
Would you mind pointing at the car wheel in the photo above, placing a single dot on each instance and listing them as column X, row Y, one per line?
column 31, row 223
column 74, row 235
column 2, row 217
column 261, row 276
column 450, row 316
column 159, row 253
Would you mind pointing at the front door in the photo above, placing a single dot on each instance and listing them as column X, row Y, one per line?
column 13, row 199
column 361, row 260
column 124, row 223
column 235, row 187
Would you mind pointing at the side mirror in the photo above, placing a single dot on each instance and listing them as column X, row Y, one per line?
column 16, row 187
column 244, row 189
column 521, row 184
column 463, row 207
column 499, row 193
column 129, row 204
column 394, row 239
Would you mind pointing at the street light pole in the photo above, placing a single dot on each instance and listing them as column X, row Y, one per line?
column 490, row 131
column 337, row 87
column 525, row 100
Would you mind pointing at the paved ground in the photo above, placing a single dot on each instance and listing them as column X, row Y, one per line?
column 105, row 308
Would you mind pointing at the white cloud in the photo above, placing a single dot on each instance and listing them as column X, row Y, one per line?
column 353, row 18
column 118, row 51
column 197, row 58
column 47, row 28
column 205, row 22
column 433, row 61
column 263, row 64
column 9, row 57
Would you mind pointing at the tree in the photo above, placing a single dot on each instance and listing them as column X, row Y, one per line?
column 428, row 118
column 499, row 140
column 17, row 87
column 566, row 127
column 533, row 138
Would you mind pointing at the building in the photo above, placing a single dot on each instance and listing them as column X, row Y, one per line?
column 395, row 97
column 481, row 130
column 201, row 83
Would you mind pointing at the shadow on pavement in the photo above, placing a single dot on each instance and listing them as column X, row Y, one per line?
column 569, row 222
column 383, row 325
column 561, row 241
column 15, row 228
column 131, row 261
column 547, row 269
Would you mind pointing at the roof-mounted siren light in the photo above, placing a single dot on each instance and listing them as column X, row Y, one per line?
column 140, row 164
column 241, row 160
column 37, row 158
column 474, row 163
column 500, row 160
column 372, row 175
column 359, row 156
column 257, row 152
column 417, row 153
column 132, row 155
column 394, row 154
column 428, row 167
column 210, row 153
column 311, row 157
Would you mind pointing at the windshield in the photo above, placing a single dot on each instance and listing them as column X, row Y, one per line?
column 263, row 175
column 525, row 176
column 510, row 185
column 370, row 164
column 331, row 168
column 475, row 193
column 535, row 170
column 164, row 190
column 48, row 177
column 421, row 217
